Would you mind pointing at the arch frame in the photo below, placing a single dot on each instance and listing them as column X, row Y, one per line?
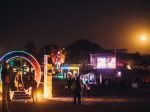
column 28, row 57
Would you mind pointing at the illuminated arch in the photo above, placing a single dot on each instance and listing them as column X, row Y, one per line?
column 26, row 56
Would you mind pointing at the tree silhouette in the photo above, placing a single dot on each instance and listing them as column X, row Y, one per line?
column 31, row 48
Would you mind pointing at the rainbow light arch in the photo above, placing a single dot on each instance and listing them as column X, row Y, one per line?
column 26, row 56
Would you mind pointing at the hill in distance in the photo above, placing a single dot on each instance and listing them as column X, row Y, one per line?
column 84, row 45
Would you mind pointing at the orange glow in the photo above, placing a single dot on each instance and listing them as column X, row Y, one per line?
column 38, row 95
column 143, row 38
column 129, row 67
column 138, row 39
column 141, row 42
column 48, row 87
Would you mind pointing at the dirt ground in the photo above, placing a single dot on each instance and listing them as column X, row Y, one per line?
column 92, row 104
column 100, row 100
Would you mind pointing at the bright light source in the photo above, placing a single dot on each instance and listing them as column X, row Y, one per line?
column 129, row 67
column 106, row 62
column 119, row 74
column 38, row 95
column 143, row 38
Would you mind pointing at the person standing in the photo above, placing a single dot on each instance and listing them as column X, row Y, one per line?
column 69, row 82
column 5, row 88
column 77, row 90
column 19, row 81
column 34, row 89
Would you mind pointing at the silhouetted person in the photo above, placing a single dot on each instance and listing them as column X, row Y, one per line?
column 77, row 90
column 19, row 81
column 5, row 88
column 34, row 89
column 69, row 83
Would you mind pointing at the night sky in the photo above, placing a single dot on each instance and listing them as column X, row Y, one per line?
column 111, row 24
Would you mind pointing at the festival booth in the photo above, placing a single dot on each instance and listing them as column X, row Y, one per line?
column 69, row 71
column 89, row 78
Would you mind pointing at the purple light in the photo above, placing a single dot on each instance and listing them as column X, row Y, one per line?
column 106, row 62
column 119, row 74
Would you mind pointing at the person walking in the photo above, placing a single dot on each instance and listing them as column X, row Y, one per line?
column 77, row 90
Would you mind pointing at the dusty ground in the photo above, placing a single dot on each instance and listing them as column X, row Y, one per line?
column 89, row 105
column 100, row 100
